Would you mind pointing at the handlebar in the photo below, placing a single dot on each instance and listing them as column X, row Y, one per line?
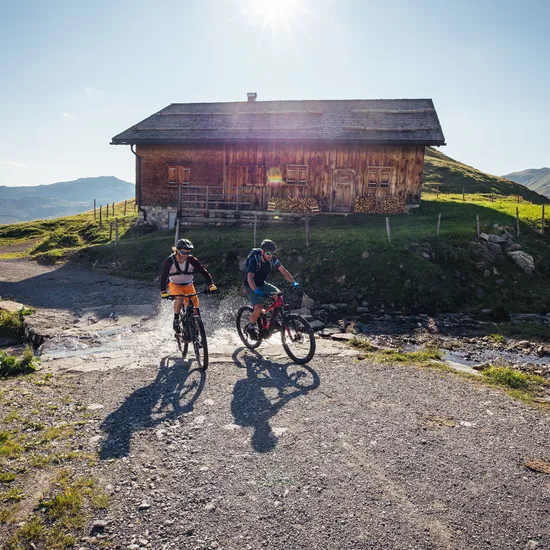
column 174, row 296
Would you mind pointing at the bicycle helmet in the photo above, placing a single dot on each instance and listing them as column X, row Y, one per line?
column 268, row 245
column 184, row 244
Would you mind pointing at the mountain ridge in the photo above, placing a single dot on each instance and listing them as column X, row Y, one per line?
column 536, row 179
column 27, row 203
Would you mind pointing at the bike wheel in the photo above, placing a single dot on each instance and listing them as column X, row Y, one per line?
column 298, row 339
column 243, row 318
column 200, row 345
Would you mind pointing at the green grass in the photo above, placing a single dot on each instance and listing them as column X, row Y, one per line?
column 520, row 385
column 395, row 274
column 11, row 365
column 497, row 338
column 55, row 240
column 422, row 356
column 59, row 519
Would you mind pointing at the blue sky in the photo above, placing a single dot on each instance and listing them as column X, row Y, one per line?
column 74, row 74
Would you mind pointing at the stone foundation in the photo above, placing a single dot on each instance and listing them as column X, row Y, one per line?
column 159, row 216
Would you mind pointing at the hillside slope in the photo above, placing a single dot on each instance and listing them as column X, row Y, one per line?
column 60, row 199
column 536, row 179
column 453, row 176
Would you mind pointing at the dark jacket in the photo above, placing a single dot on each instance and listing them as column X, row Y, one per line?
column 191, row 266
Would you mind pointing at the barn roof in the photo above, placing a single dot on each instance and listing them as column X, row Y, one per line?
column 392, row 121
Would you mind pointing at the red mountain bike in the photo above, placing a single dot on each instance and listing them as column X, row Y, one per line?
column 296, row 333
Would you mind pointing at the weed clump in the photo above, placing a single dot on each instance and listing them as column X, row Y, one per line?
column 10, row 365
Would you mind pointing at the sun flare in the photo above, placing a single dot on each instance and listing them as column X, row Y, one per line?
column 272, row 13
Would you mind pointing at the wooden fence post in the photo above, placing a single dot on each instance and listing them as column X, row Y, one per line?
column 477, row 225
column 111, row 230
column 388, row 230
column 116, row 231
column 518, row 199
column 492, row 197
column 100, row 220
column 113, row 210
column 125, row 208
column 176, row 238
column 255, row 224
column 438, row 224
column 95, row 215
column 107, row 211
column 306, row 217
column 517, row 221
column 542, row 224
column 463, row 199
column 437, row 191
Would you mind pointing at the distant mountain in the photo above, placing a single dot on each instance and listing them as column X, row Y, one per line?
column 537, row 179
column 61, row 199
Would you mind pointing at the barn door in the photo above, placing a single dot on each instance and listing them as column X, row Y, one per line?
column 343, row 190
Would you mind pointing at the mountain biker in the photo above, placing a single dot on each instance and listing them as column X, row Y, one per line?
column 177, row 277
column 259, row 263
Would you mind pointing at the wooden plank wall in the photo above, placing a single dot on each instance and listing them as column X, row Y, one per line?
column 247, row 165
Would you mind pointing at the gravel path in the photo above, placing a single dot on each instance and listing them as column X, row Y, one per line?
column 339, row 454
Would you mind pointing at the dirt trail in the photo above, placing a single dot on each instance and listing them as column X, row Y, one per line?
column 260, row 453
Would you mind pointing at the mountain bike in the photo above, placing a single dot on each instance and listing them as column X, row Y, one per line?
column 296, row 333
column 192, row 331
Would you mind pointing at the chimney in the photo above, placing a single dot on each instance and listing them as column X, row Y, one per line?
column 251, row 96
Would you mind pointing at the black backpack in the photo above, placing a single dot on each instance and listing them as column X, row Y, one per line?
column 256, row 254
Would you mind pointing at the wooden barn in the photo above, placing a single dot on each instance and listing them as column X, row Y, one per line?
column 284, row 156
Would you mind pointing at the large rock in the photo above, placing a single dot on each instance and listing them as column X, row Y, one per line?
column 307, row 302
column 512, row 247
column 496, row 239
column 487, row 251
column 523, row 260
column 10, row 306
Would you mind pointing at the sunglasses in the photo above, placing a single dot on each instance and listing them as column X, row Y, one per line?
column 269, row 253
column 184, row 252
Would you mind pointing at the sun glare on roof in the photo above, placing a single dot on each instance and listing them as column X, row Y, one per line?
column 272, row 13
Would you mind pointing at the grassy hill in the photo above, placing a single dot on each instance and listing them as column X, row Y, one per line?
column 349, row 259
column 54, row 240
column 535, row 179
column 453, row 176
column 61, row 199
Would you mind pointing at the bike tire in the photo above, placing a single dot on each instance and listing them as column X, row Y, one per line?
column 200, row 344
column 302, row 328
column 243, row 316
column 183, row 346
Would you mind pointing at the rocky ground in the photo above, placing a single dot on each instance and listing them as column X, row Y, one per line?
column 258, row 452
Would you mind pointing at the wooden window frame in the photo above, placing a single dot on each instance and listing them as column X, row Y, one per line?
column 300, row 173
column 178, row 175
column 382, row 177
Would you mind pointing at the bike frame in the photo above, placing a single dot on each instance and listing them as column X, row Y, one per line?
column 275, row 308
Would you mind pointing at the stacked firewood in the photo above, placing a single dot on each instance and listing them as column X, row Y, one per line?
column 293, row 204
column 384, row 205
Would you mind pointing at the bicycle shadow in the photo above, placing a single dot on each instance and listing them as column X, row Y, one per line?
column 252, row 407
column 174, row 392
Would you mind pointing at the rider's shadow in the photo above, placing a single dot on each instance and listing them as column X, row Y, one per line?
column 174, row 392
column 251, row 406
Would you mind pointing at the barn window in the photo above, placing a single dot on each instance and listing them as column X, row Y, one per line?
column 297, row 174
column 372, row 178
column 179, row 175
column 378, row 177
column 384, row 178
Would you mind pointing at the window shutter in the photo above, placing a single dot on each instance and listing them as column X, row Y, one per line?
column 172, row 175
